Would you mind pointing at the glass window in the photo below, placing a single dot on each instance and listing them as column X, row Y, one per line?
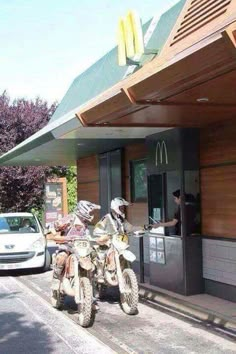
column 18, row 224
column 156, row 201
column 138, row 172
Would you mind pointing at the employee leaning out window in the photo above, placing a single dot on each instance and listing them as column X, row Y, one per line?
column 191, row 215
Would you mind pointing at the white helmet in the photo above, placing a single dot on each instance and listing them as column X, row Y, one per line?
column 84, row 208
column 116, row 203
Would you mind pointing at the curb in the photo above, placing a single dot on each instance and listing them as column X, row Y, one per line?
column 187, row 308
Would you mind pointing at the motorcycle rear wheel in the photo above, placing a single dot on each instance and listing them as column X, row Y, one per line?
column 85, row 308
column 129, row 299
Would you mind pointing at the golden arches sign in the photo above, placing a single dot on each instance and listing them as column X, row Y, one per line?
column 130, row 37
column 161, row 150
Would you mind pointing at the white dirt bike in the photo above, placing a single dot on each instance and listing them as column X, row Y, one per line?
column 76, row 280
column 114, row 268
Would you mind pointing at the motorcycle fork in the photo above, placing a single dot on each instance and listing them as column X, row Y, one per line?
column 119, row 273
column 77, row 287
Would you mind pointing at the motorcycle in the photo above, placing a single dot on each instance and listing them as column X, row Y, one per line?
column 114, row 268
column 76, row 279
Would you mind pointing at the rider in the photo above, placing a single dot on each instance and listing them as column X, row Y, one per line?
column 112, row 223
column 71, row 226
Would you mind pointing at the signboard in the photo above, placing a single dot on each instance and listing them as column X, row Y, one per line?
column 130, row 38
column 157, row 250
column 55, row 200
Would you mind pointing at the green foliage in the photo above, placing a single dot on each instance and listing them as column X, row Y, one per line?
column 23, row 188
column 71, row 177
column 38, row 213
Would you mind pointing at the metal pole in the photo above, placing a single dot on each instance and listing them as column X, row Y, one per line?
column 141, row 260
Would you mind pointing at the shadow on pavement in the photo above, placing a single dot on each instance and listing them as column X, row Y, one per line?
column 17, row 335
column 110, row 295
column 20, row 272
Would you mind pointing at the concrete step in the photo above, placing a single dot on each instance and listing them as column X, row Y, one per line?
column 203, row 307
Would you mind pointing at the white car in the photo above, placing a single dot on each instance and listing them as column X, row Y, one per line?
column 22, row 242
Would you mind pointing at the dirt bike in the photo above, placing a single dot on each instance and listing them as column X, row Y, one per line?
column 76, row 279
column 113, row 268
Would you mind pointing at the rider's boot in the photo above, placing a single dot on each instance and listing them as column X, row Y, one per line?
column 95, row 305
column 100, row 277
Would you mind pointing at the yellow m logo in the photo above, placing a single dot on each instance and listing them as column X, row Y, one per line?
column 161, row 151
column 130, row 37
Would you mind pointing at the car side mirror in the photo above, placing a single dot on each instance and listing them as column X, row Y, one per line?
column 45, row 232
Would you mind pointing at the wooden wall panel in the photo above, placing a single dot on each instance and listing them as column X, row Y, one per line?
column 88, row 181
column 218, row 193
column 218, row 144
column 134, row 152
column 137, row 213
column 218, row 180
column 88, row 169
column 89, row 191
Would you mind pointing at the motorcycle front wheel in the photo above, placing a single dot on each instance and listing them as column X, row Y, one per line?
column 57, row 299
column 85, row 308
column 129, row 299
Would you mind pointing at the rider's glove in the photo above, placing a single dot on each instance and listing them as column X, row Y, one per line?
column 147, row 227
column 70, row 238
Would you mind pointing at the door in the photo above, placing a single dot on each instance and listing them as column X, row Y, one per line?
column 110, row 185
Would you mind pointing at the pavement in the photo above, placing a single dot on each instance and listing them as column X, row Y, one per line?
column 204, row 307
column 30, row 325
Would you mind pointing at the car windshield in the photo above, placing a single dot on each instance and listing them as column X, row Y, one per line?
column 18, row 224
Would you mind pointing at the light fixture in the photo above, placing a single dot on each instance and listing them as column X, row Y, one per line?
column 80, row 144
column 202, row 99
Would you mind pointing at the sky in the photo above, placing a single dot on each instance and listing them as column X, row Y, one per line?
column 47, row 43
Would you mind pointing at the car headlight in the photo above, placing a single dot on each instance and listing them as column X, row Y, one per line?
column 37, row 245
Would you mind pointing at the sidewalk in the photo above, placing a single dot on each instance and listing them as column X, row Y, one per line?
column 204, row 307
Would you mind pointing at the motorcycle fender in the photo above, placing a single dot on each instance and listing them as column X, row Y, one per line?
column 129, row 256
column 110, row 261
column 119, row 274
column 70, row 269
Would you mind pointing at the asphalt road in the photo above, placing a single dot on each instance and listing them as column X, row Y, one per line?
column 47, row 330
column 29, row 325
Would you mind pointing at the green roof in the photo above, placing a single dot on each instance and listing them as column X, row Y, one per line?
column 106, row 72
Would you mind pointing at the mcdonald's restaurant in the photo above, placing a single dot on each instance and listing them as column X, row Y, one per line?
column 161, row 119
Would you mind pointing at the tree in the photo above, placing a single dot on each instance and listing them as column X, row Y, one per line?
column 22, row 188
column 71, row 187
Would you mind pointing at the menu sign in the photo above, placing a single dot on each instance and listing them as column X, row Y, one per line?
column 53, row 201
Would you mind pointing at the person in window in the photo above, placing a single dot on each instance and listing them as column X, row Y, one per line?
column 26, row 226
column 176, row 221
column 190, row 212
